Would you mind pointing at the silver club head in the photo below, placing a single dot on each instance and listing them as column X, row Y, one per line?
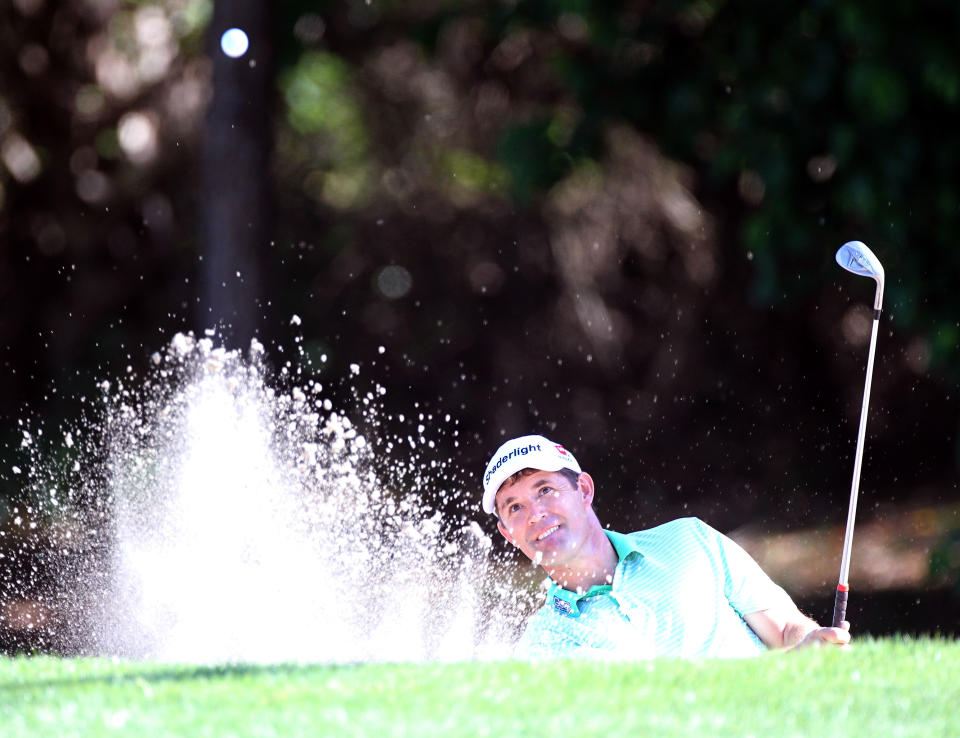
column 856, row 257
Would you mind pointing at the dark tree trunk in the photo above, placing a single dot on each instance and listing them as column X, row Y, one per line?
column 237, row 201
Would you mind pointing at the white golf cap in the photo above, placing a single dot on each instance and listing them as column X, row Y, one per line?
column 526, row 452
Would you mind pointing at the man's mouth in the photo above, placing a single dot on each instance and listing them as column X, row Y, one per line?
column 548, row 532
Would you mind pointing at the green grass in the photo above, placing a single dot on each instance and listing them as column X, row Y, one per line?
column 884, row 688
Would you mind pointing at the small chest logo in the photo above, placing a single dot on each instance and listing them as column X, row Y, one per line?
column 562, row 605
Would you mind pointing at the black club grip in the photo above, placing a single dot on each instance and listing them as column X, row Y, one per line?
column 840, row 606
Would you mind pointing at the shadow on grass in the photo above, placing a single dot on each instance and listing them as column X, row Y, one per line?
column 173, row 674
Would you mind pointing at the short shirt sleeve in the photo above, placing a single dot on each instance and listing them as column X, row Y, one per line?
column 747, row 587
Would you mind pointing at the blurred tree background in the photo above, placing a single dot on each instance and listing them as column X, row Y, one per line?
column 611, row 222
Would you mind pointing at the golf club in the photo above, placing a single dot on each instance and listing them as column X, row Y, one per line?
column 854, row 256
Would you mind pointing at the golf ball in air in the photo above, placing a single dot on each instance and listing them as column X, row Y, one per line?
column 234, row 42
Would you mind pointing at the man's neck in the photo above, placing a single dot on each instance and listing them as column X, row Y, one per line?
column 596, row 564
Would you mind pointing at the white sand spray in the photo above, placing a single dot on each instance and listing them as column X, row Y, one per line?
column 248, row 523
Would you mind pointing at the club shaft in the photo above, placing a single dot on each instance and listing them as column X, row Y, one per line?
column 840, row 605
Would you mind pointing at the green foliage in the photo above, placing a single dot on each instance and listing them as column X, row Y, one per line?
column 531, row 157
column 945, row 559
column 830, row 121
column 472, row 176
column 316, row 92
column 333, row 147
column 891, row 687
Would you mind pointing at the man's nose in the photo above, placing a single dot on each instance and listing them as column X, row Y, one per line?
column 537, row 513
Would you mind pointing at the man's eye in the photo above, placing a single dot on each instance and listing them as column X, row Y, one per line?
column 513, row 508
column 544, row 490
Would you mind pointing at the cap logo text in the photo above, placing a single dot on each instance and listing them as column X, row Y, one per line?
column 520, row 451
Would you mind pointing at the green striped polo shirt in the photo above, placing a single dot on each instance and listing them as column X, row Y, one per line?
column 679, row 590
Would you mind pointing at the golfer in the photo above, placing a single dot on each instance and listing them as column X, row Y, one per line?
column 681, row 589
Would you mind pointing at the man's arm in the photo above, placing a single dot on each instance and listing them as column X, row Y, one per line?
column 787, row 628
column 767, row 608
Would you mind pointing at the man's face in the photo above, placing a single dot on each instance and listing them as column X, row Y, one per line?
column 546, row 516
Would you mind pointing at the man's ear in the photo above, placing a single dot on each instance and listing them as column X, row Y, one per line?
column 505, row 533
column 585, row 485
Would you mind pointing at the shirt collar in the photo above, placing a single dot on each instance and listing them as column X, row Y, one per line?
column 566, row 602
column 623, row 544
